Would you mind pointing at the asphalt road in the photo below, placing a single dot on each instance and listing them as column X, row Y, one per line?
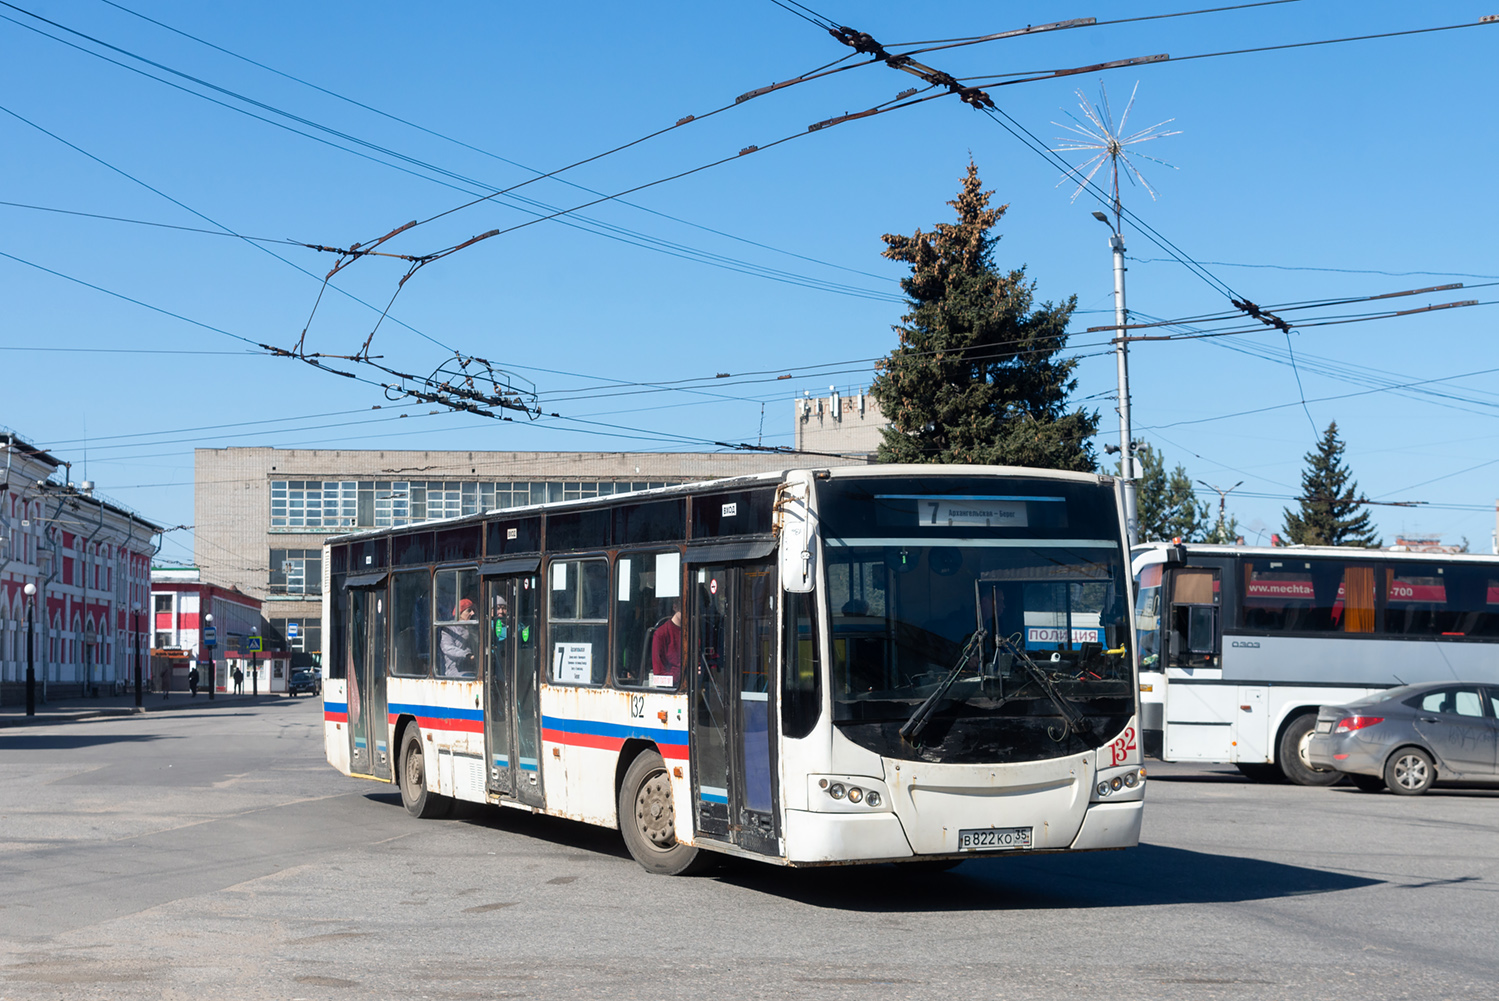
column 212, row 854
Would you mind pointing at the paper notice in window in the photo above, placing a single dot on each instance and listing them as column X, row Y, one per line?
column 939, row 512
column 559, row 576
column 572, row 663
column 668, row 575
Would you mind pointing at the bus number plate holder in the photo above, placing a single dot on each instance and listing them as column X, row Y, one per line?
column 993, row 838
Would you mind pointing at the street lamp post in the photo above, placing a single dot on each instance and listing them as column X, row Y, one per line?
column 136, row 609
column 1121, row 357
column 30, row 590
column 210, row 640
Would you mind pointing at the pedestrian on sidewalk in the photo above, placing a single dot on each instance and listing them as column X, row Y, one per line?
column 165, row 680
column 192, row 681
column 239, row 682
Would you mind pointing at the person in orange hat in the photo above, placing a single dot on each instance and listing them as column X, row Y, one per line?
column 458, row 642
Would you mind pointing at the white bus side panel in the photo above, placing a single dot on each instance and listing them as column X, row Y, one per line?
column 1199, row 721
column 335, row 719
column 582, row 733
column 1377, row 663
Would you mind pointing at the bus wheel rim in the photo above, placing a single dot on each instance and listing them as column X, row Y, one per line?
column 655, row 813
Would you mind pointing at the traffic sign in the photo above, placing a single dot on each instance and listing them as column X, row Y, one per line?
column 211, row 636
column 252, row 644
column 291, row 630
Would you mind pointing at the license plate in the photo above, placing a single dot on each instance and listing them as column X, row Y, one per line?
column 1324, row 726
column 985, row 838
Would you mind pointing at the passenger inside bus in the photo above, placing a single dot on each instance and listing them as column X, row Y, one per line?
column 456, row 643
column 666, row 646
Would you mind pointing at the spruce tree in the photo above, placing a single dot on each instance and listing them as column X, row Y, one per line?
column 1332, row 512
column 1167, row 507
column 976, row 376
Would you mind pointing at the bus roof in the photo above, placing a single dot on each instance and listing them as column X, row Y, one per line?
column 1159, row 552
column 745, row 481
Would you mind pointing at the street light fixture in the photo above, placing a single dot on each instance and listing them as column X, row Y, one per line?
column 210, row 640
column 30, row 590
column 136, row 609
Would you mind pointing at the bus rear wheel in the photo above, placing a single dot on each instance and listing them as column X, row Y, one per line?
column 647, row 821
column 1293, row 760
column 420, row 801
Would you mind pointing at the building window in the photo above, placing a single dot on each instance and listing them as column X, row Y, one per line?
column 296, row 571
column 163, row 602
column 314, row 503
column 306, row 646
column 336, row 505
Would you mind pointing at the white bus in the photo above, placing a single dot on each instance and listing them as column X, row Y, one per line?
column 870, row 664
column 1240, row 645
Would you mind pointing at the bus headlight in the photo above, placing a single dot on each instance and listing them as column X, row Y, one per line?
column 847, row 794
column 1119, row 782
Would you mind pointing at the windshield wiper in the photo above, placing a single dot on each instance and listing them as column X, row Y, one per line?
column 912, row 727
column 1072, row 716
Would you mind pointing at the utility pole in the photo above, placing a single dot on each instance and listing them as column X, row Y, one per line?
column 1121, row 356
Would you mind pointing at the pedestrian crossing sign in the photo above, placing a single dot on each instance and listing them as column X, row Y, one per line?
column 252, row 644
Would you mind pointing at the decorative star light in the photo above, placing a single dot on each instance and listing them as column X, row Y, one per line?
column 1107, row 142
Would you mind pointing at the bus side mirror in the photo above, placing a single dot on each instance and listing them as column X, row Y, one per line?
column 795, row 524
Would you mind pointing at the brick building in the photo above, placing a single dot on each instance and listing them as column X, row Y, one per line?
column 180, row 601
column 89, row 559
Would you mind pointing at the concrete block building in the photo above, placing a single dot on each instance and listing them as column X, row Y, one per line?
column 261, row 514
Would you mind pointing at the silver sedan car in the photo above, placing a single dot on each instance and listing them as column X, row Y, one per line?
column 1407, row 738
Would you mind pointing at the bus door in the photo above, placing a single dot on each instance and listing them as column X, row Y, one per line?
column 1201, row 717
column 732, row 643
column 512, row 707
column 369, row 724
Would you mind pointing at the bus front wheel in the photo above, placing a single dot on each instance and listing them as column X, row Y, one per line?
column 647, row 821
column 420, row 801
column 1293, row 760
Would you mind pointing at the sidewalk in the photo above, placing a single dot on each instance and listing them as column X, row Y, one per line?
column 70, row 710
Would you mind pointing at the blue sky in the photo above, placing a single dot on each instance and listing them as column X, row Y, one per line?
column 1302, row 174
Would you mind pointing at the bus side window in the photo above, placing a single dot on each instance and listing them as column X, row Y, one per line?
column 1200, row 629
column 801, row 672
column 1195, row 598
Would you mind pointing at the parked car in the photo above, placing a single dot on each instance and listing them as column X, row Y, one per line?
column 1407, row 738
column 304, row 680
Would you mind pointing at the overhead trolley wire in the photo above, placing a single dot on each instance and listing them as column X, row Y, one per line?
column 368, row 248
column 1088, row 22
column 484, row 152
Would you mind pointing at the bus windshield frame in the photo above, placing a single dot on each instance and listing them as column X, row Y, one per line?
column 915, row 566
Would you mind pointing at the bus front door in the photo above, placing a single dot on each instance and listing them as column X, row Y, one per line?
column 369, row 744
column 731, row 652
column 512, row 709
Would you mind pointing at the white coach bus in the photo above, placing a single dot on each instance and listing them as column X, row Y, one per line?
column 1240, row 645
column 872, row 664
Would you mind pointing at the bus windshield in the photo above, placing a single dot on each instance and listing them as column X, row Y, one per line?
column 916, row 567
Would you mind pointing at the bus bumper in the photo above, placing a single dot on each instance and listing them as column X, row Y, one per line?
column 841, row 837
column 1110, row 825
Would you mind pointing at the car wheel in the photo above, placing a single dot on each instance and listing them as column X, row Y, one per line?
column 1409, row 772
column 1293, row 760
column 647, row 821
column 1368, row 783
